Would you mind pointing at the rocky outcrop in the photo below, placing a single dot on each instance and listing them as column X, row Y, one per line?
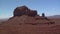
column 23, row 23
column 23, row 10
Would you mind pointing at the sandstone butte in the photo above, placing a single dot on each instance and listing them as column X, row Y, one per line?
column 27, row 21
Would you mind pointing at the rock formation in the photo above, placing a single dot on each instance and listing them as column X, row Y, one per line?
column 26, row 21
column 43, row 15
column 23, row 10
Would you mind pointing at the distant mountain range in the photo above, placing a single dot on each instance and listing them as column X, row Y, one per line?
column 2, row 20
column 54, row 17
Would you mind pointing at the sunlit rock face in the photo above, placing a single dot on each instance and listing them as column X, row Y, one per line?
column 23, row 10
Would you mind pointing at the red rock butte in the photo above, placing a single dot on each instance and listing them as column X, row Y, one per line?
column 23, row 10
column 27, row 21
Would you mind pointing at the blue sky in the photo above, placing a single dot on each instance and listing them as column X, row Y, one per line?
column 49, row 7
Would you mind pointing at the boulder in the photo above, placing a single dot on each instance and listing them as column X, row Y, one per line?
column 23, row 10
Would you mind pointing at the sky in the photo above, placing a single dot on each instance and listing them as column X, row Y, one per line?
column 49, row 7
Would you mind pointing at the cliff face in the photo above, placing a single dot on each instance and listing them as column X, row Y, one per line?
column 23, row 10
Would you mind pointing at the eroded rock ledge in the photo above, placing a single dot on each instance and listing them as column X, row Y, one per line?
column 23, row 10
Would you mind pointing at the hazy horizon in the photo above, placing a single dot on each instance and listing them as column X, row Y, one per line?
column 49, row 7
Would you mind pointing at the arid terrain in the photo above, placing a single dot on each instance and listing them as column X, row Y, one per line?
column 26, row 23
column 31, row 29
